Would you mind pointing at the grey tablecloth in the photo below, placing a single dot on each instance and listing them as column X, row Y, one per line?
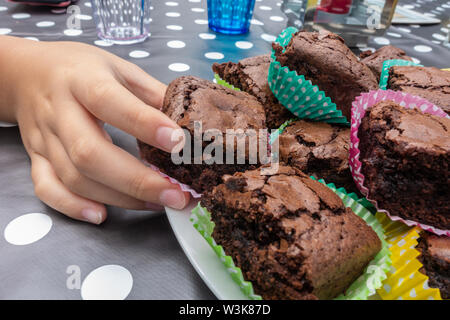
column 141, row 242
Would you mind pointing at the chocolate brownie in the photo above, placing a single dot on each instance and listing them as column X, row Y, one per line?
column 405, row 156
column 188, row 100
column 323, row 58
column 435, row 257
column 250, row 75
column 427, row 82
column 318, row 149
column 374, row 60
column 292, row 237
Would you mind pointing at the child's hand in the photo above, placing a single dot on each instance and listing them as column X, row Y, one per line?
column 59, row 93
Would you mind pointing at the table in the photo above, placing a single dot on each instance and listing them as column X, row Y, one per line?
column 138, row 249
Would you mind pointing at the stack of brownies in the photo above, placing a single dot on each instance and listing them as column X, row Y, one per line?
column 292, row 237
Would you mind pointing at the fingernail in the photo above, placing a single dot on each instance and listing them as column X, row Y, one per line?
column 154, row 206
column 173, row 198
column 170, row 139
column 92, row 216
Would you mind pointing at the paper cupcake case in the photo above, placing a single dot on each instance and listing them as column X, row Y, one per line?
column 404, row 281
column 365, row 286
column 359, row 107
column 298, row 95
column 387, row 64
column 183, row 187
column 222, row 82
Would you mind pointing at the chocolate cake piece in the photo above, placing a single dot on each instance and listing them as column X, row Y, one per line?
column 250, row 75
column 427, row 82
column 318, row 149
column 292, row 237
column 189, row 99
column 435, row 257
column 323, row 58
column 405, row 156
column 374, row 60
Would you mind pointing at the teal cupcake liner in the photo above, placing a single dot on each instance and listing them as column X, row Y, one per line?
column 298, row 95
column 365, row 286
column 222, row 82
column 387, row 64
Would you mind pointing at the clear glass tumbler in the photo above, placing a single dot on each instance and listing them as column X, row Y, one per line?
column 230, row 16
column 122, row 21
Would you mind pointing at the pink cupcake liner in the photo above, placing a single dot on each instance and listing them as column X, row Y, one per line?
column 359, row 107
column 183, row 187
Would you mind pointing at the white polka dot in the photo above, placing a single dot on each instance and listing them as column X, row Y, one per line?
column 176, row 44
column 110, row 282
column 265, row 8
column 5, row 31
column 195, row 1
column 276, row 18
column 214, row 55
column 429, row 14
column 45, row 24
column 32, row 38
column 88, row 4
column 367, row 48
column 408, row 6
column 27, row 228
column 435, row 41
column 439, row 36
column 3, row 8
column 256, row 22
column 268, row 37
column 173, row 14
column 174, row 27
column 84, row 17
column 412, row 293
column 73, row 32
column 393, row 34
column 404, row 30
column 422, row 48
column 415, row 60
column 139, row 54
column 172, row 4
column 415, row 26
column 243, row 44
column 179, row 67
column 381, row 40
column 21, row 15
column 207, row 36
column 201, row 21
column 197, row 10
column 103, row 43
column 444, row 30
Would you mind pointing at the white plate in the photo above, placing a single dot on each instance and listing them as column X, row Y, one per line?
column 202, row 256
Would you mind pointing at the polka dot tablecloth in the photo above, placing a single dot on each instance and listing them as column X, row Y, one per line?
column 134, row 255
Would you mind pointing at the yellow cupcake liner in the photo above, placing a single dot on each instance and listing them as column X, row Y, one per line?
column 404, row 280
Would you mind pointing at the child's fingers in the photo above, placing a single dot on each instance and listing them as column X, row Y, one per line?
column 52, row 191
column 82, row 185
column 141, row 84
column 111, row 102
column 110, row 165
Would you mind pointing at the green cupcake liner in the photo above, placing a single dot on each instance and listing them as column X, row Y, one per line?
column 224, row 83
column 387, row 64
column 201, row 218
column 365, row 286
column 297, row 94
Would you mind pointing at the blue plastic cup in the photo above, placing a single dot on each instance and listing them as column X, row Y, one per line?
column 230, row 16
